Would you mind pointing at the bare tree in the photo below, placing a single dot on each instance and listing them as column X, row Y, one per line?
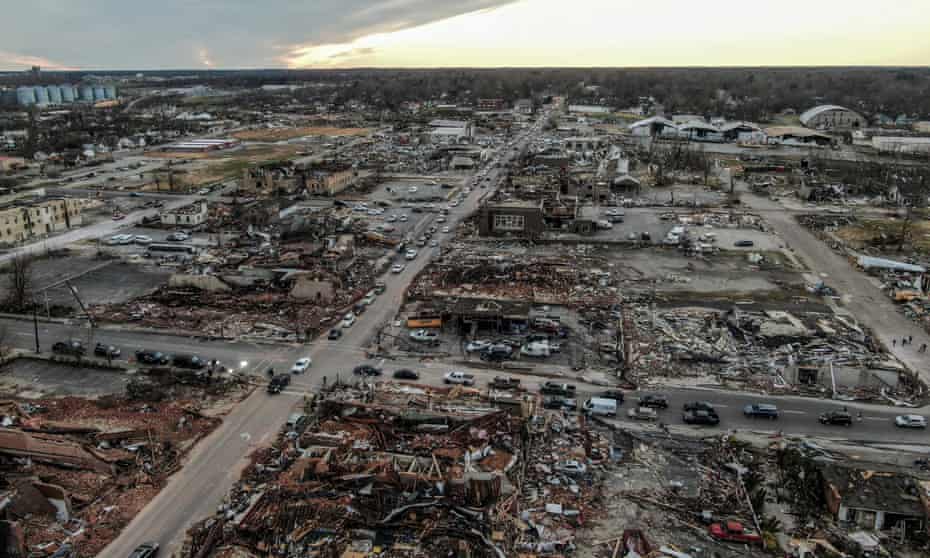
column 19, row 283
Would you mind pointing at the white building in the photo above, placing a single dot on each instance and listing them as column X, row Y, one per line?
column 893, row 144
column 187, row 216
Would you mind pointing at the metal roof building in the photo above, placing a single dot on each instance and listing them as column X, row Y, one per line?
column 832, row 117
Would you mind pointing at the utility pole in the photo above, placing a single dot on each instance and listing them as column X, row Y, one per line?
column 35, row 324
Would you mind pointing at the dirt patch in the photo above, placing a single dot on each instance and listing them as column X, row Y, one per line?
column 282, row 134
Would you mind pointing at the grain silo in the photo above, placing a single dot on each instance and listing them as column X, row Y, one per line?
column 25, row 96
column 67, row 93
column 54, row 94
column 41, row 94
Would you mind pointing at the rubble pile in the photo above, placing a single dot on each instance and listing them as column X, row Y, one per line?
column 75, row 471
column 414, row 471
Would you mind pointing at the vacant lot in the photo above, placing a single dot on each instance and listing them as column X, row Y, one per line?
column 33, row 378
column 281, row 134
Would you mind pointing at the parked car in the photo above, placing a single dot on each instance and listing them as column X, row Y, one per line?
column 411, row 254
column 733, row 531
column 406, row 374
column 477, row 346
column 496, row 352
column 103, row 350
column 744, row 243
column 761, row 410
column 192, row 362
column 447, row 229
column 278, row 383
column 701, row 416
column 841, row 418
column 178, row 236
column 642, row 413
column 397, row 268
column 571, row 467
column 504, row 383
column 910, row 421
column 654, row 401
column 600, row 407
column 152, row 357
column 142, row 239
column 348, row 320
column 301, row 365
column 145, row 550
column 555, row 388
column 559, row 403
column 427, row 336
column 366, row 370
column 71, row 348
column 458, row 377
column 369, row 298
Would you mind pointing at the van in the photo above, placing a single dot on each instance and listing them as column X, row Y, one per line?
column 600, row 407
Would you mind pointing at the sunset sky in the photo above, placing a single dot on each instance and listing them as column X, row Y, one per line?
column 115, row 34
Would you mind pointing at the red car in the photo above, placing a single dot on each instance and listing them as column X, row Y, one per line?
column 733, row 531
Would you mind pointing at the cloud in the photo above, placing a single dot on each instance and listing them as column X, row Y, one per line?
column 22, row 61
column 234, row 33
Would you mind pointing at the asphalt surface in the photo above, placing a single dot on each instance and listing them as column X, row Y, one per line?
column 217, row 461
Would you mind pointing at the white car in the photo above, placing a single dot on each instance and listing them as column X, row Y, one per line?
column 301, row 365
column 411, row 254
column 412, row 190
column 910, row 421
column 424, row 335
column 455, row 203
column 392, row 219
column 447, row 229
column 142, row 239
column 348, row 320
column 433, row 243
column 403, row 218
column 571, row 467
column 440, row 219
column 375, row 212
column 397, row 268
column 477, row 346
column 369, row 299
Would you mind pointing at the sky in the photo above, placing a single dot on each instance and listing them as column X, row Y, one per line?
column 186, row 34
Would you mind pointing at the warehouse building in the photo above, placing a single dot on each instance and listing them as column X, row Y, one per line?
column 832, row 117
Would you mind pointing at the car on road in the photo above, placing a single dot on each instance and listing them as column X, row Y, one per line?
column 614, row 394
column 654, row 401
column 446, row 230
column 301, row 365
column 348, row 320
column 142, row 239
column 910, row 421
column 412, row 190
column 571, row 467
column 556, row 388
column 178, row 236
column 504, row 383
column 743, row 243
column 411, row 254
column 839, row 418
column 458, row 377
column 440, row 220
column 334, row 334
column 642, row 413
column 71, row 348
column 366, row 370
column 406, row 374
column 152, row 357
column 369, row 299
column 104, row 350
column 278, row 383
column 203, row 192
column 701, row 416
column 496, row 352
column 397, row 268
column 403, row 218
column 697, row 406
column 761, row 410
column 192, row 362
column 559, row 403
column 392, row 219
column 145, row 550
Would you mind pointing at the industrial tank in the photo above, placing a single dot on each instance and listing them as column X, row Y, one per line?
column 110, row 92
column 54, row 94
column 67, row 93
column 99, row 93
column 41, row 95
column 87, row 93
column 25, row 96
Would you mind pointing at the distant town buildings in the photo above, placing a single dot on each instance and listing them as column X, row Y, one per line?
column 187, row 216
column 23, row 219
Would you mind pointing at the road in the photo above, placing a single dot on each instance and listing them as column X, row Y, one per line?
column 859, row 295
column 216, row 462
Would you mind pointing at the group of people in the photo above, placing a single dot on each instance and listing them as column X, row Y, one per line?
column 909, row 340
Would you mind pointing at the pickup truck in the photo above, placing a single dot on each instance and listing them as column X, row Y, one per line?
column 456, row 377
column 505, row 382
column 552, row 388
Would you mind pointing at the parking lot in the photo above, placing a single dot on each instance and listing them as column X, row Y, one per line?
column 34, row 378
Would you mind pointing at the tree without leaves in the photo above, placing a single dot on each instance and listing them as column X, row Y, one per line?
column 19, row 283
